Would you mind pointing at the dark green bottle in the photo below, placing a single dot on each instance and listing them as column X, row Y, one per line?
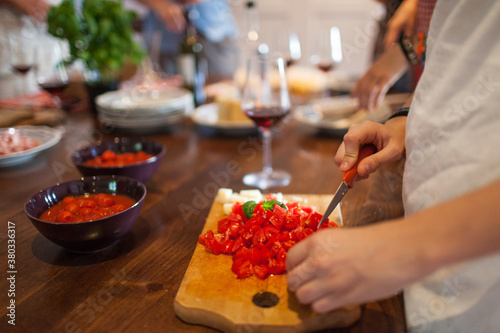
column 188, row 62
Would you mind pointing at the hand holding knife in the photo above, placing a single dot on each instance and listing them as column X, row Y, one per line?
column 347, row 181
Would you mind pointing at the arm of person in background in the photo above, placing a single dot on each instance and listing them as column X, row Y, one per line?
column 372, row 87
column 170, row 13
column 339, row 267
column 35, row 8
column 403, row 21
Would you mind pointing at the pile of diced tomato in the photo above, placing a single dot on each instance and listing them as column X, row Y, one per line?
column 259, row 244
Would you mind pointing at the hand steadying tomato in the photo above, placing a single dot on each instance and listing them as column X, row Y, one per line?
column 258, row 235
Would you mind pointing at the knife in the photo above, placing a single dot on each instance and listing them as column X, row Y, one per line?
column 347, row 181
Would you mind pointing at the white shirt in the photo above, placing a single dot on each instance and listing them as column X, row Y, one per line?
column 453, row 147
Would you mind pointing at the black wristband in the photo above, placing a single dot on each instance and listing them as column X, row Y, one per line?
column 402, row 112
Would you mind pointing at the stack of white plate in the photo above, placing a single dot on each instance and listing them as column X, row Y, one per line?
column 144, row 110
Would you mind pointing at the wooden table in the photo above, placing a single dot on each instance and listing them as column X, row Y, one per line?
column 131, row 286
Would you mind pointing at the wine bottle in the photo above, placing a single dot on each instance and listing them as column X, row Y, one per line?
column 252, row 22
column 188, row 61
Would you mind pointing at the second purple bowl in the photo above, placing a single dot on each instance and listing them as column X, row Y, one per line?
column 142, row 171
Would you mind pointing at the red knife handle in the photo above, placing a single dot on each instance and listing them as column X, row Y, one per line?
column 351, row 175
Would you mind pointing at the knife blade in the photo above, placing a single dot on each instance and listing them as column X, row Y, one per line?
column 347, row 182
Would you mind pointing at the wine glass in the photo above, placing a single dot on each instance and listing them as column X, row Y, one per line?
column 328, row 50
column 22, row 53
column 51, row 74
column 266, row 101
column 288, row 44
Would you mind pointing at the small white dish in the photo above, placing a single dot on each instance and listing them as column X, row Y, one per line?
column 207, row 115
column 334, row 115
column 47, row 136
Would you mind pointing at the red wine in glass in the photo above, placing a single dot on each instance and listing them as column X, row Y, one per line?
column 54, row 88
column 290, row 62
column 325, row 67
column 21, row 69
column 267, row 117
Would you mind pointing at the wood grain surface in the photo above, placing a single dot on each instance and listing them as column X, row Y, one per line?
column 131, row 287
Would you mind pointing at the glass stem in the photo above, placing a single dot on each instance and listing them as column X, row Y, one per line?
column 266, row 146
column 57, row 101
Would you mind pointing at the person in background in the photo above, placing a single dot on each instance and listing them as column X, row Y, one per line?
column 18, row 18
column 37, row 9
column 445, row 252
column 216, row 28
column 404, row 49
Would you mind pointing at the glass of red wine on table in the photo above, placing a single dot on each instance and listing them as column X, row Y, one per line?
column 328, row 50
column 288, row 43
column 265, row 100
column 22, row 57
column 22, row 53
column 51, row 74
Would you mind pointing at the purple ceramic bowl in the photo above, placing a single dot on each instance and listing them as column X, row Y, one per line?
column 92, row 235
column 142, row 171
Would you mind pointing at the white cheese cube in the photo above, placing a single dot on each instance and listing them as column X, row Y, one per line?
column 238, row 198
column 252, row 194
column 279, row 196
column 228, row 208
column 223, row 195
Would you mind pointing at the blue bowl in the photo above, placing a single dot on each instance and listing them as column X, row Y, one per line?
column 93, row 235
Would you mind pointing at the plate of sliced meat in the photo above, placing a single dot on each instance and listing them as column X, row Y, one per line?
column 20, row 144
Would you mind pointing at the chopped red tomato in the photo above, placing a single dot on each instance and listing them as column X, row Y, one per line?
column 111, row 159
column 259, row 244
column 261, row 271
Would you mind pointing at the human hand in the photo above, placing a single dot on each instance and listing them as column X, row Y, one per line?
column 171, row 14
column 403, row 21
column 35, row 8
column 372, row 87
column 388, row 138
column 339, row 267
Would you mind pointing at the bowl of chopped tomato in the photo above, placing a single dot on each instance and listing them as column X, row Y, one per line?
column 137, row 159
column 87, row 214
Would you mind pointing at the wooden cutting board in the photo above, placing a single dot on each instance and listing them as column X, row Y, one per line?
column 211, row 295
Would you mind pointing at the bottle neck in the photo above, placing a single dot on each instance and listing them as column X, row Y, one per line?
column 252, row 22
column 190, row 28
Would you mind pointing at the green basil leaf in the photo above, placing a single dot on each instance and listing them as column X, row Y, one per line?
column 248, row 208
column 269, row 205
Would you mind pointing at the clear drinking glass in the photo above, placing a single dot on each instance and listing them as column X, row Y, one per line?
column 288, row 45
column 51, row 72
column 328, row 49
column 265, row 100
column 22, row 53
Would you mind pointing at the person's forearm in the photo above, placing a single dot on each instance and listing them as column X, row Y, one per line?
column 403, row 21
column 461, row 229
column 150, row 3
column 153, row 3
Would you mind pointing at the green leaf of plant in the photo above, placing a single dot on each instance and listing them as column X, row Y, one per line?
column 269, row 205
column 248, row 208
column 89, row 34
